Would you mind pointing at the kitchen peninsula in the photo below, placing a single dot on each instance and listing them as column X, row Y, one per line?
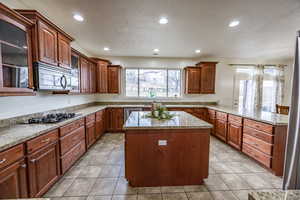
column 166, row 152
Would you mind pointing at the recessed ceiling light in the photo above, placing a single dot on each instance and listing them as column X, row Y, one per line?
column 234, row 23
column 156, row 50
column 197, row 51
column 163, row 20
column 106, row 49
column 78, row 17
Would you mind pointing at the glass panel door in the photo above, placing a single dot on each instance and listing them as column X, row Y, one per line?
column 14, row 56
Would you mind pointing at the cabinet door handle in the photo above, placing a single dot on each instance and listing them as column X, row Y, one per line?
column 33, row 161
column 46, row 140
column 23, row 166
column 3, row 161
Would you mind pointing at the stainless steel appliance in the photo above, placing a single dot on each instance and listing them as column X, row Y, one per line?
column 51, row 78
column 127, row 112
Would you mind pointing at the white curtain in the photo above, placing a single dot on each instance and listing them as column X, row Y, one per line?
column 291, row 178
column 259, row 87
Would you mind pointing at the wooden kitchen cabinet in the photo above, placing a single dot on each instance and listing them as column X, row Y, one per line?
column 75, row 70
column 115, row 119
column 192, row 80
column 72, row 143
column 100, row 126
column 85, row 75
column 13, row 175
column 235, row 131
column 201, row 113
column 102, row 74
column 114, row 73
column 13, row 181
column 43, row 163
column 47, row 47
column 90, row 130
column 92, row 72
column 221, row 126
column 51, row 45
column 212, row 119
column 64, row 51
column 16, row 74
column 208, row 74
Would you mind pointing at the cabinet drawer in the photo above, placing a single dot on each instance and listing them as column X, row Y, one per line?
column 257, row 155
column 90, row 118
column 72, row 156
column 70, row 140
column 211, row 114
column 11, row 155
column 258, row 134
column 71, row 127
column 42, row 141
column 259, row 126
column 258, row 144
column 235, row 119
column 221, row 116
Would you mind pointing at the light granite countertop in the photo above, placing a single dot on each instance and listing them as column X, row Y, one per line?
column 10, row 136
column 16, row 134
column 181, row 120
column 267, row 117
column 275, row 195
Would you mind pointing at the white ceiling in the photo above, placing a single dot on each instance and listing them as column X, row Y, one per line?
column 130, row 27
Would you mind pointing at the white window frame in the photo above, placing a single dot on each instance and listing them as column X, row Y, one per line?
column 153, row 68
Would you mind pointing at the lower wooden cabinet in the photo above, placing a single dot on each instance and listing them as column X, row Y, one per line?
column 100, row 117
column 115, row 119
column 43, row 169
column 68, row 159
column 234, row 135
column 90, row 130
column 13, row 181
column 221, row 129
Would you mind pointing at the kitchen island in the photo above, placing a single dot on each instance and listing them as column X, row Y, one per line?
column 166, row 152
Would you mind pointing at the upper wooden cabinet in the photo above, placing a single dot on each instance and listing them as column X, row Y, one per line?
column 85, row 75
column 64, row 51
column 200, row 79
column 75, row 70
column 102, row 75
column 92, row 72
column 114, row 73
column 208, row 74
column 192, row 80
column 15, row 53
column 47, row 46
column 51, row 45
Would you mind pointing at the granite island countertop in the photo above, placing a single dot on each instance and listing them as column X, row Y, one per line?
column 181, row 120
column 275, row 195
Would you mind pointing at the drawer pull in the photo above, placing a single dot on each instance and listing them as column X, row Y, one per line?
column 23, row 166
column 3, row 161
column 33, row 161
column 46, row 140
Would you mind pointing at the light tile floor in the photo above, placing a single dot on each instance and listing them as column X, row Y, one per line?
column 99, row 175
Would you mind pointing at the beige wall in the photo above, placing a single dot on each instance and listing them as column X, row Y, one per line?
column 17, row 106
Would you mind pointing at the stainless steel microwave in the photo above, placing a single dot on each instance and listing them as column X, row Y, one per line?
column 51, row 78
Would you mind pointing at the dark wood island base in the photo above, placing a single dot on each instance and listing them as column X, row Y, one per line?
column 166, row 157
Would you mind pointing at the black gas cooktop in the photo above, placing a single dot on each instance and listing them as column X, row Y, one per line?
column 51, row 118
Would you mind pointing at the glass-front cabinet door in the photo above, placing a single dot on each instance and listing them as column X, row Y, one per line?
column 75, row 70
column 15, row 55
